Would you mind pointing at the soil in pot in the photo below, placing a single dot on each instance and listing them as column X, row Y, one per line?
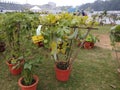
column 23, row 83
column 62, row 65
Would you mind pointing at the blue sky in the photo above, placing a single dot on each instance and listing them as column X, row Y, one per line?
column 58, row 2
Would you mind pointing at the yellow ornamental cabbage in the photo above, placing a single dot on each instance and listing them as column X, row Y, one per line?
column 37, row 39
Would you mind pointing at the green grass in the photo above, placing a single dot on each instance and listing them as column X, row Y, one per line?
column 93, row 69
column 103, row 29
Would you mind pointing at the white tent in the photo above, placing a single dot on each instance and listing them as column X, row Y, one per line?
column 35, row 9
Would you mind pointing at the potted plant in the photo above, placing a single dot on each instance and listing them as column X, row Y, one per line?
column 115, row 42
column 60, row 32
column 54, row 28
column 90, row 41
column 115, row 34
column 29, row 80
column 12, row 26
column 17, row 27
column 15, row 65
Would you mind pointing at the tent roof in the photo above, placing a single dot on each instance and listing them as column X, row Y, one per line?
column 35, row 8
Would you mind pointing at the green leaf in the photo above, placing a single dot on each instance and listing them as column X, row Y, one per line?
column 28, row 66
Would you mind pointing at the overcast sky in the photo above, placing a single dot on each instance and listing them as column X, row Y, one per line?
column 58, row 2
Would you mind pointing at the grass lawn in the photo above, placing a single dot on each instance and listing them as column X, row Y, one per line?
column 93, row 69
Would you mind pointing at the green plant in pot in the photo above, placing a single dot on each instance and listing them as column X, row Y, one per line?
column 115, row 34
column 60, row 31
column 90, row 41
column 115, row 42
column 29, row 80
column 12, row 26
column 15, row 65
column 17, row 27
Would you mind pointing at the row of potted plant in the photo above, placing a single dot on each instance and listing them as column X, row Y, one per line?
column 57, row 33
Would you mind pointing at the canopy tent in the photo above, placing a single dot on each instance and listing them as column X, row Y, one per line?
column 35, row 9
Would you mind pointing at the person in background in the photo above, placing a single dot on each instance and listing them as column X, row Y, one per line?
column 83, row 13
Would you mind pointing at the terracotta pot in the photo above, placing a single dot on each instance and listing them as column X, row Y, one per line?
column 30, row 87
column 88, row 45
column 16, row 71
column 92, row 44
column 62, row 75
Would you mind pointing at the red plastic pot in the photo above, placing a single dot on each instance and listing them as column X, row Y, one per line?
column 92, row 44
column 16, row 71
column 62, row 75
column 30, row 87
column 88, row 45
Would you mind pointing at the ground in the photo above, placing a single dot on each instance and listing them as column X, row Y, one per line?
column 106, row 44
column 104, row 41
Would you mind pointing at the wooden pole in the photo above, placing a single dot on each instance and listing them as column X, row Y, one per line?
column 78, row 50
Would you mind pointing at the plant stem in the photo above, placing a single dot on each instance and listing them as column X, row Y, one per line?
column 76, row 53
column 69, row 53
column 116, row 54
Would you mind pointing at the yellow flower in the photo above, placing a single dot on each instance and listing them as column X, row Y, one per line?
column 37, row 39
column 53, row 47
column 40, row 38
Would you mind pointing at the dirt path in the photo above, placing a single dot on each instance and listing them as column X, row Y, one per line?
column 104, row 41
